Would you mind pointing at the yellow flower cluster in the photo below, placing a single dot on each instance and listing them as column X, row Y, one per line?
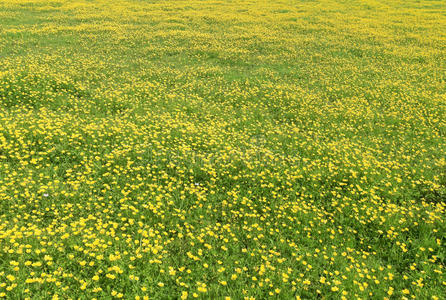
column 222, row 149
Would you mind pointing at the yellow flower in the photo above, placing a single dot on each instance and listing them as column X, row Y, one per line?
column 184, row 295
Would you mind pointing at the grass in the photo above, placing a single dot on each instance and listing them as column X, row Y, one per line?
column 212, row 149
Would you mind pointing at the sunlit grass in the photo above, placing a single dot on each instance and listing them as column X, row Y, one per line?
column 212, row 149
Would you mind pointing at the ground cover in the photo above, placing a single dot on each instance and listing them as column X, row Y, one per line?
column 212, row 149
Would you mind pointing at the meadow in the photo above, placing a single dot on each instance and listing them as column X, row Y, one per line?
column 222, row 149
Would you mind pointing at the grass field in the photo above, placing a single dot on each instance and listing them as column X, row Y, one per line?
column 213, row 149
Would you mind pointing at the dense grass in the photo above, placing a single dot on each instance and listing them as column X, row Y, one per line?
column 219, row 149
